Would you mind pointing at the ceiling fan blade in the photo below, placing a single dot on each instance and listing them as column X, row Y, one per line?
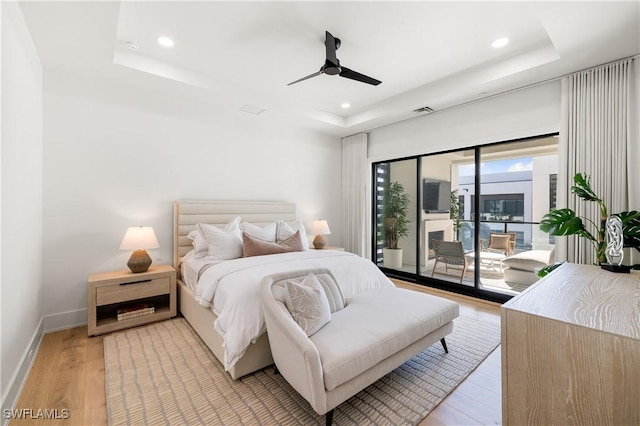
column 330, row 44
column 353, row 75
column 305, row 78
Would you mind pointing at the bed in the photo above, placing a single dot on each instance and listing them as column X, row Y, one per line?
column 197, row 305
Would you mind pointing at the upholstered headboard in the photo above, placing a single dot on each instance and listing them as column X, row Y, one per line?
column 188, row 213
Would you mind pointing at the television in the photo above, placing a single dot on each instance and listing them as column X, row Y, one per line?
column 436, row 196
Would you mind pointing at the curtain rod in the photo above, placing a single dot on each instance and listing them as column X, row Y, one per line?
column 517, row 89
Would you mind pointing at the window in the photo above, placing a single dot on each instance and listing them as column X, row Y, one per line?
column 381, row 179
column 502, row 207
column 553, row 189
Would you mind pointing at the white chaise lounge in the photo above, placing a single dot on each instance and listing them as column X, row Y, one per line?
column 368, row 335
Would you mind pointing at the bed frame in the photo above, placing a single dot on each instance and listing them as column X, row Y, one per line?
column 186, row 215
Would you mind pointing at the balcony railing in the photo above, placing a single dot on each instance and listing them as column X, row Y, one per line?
column 528, row 234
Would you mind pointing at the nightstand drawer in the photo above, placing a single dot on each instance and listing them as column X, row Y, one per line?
column 138, row 290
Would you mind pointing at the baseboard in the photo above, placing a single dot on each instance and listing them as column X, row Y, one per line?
column 47, row 324
column 20, row 376
column 64, row 320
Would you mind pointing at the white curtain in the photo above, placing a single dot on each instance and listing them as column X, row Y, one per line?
column 599, row 137
column 354, row 163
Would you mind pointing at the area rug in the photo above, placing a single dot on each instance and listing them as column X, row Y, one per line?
column 164, row 374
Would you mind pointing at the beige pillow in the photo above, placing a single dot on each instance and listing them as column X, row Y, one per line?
column 308, row 304
column 256, row 247
column 499, row 242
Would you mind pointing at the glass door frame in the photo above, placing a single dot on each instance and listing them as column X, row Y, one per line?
column 417, row 278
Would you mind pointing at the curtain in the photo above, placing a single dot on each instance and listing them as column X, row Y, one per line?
column 354, row 172
column 598, row 137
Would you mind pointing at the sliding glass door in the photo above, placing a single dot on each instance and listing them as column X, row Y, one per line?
column 471, row 216
column 446, row 241
column 396, row 227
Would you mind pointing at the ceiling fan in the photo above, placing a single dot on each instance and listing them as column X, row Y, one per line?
column 332, row 65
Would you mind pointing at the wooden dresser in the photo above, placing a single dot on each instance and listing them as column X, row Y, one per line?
column 571, row 350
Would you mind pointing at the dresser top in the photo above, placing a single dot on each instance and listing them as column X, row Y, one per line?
column 586, row 296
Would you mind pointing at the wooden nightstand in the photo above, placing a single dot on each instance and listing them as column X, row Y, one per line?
column 111, row 291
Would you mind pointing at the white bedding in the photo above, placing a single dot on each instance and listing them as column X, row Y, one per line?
column 231, row 289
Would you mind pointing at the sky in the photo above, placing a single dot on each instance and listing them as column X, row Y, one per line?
column 500, row 166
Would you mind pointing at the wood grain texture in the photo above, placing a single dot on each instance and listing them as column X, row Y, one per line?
column 46, row 384
column 114, row 289
column 570, row 350
column 67, row 374
column 586, row 296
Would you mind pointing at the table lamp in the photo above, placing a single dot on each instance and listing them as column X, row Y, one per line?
column 139, row 239
column 320, row 228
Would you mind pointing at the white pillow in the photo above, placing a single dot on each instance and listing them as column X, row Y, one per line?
column 224, row 244
column 308, row 304
column 199, row 242
column 285, row 231
column 264, row 233
column 529, row 260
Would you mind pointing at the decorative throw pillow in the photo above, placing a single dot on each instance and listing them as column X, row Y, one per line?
column 308, row 304
column 224, row 244
column 500, row 242
column 199, row 242
column 264, row 233
column 256, row 247
column 285, row 230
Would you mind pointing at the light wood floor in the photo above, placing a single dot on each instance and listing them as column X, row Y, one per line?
column 68, row 373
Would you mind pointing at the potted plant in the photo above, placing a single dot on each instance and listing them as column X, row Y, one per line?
column 395, row 206
column 454, row 213
column 562, row 222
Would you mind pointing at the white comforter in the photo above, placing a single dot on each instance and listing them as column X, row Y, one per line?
column 231, row 289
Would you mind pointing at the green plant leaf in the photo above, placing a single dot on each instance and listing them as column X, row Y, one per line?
column 562, row 222
column 630, row 228
column 582, row 188
column 548, row 269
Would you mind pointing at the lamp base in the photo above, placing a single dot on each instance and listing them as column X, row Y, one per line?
column 139, row 261
column 319, row 242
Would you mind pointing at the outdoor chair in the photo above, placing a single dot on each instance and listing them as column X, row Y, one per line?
column 449, row 253
column 500, row 243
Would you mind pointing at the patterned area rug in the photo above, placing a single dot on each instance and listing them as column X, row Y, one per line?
column 164, row 374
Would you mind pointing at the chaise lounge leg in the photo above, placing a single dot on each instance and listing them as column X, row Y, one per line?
column 444, row 345
column 329, row 418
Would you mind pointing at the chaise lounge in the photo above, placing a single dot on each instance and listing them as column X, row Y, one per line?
column 365, row 337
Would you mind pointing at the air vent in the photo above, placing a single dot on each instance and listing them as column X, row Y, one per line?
column 423, row 109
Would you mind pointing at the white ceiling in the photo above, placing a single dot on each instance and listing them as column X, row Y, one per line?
column 434, row 54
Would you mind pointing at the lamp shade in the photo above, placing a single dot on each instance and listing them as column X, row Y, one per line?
column 139, row 238
column 320, row 227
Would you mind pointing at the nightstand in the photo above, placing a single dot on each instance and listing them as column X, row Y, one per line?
column 117, row 292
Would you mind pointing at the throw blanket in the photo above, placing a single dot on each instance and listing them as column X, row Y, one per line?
column 232, row 290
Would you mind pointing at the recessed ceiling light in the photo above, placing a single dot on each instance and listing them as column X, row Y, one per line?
column 345, row 105
column 165, row 41
column 501, row 42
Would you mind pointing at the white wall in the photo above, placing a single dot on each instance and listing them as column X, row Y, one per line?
column 21, row 206
column 117, row 156
column 527, row 112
